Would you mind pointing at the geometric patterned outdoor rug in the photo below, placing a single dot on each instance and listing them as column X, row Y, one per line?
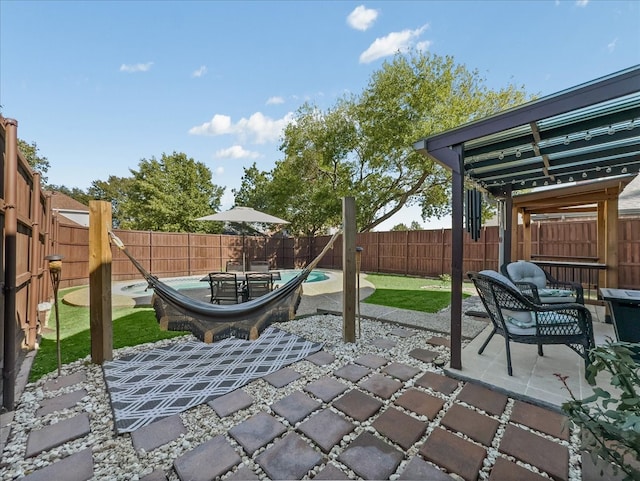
column 167, row 380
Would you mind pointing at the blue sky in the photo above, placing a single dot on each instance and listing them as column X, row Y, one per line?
column 100, row 85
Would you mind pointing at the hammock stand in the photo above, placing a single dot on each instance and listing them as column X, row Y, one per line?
column 210, row 322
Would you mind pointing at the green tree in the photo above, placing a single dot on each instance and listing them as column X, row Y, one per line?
column 115, row 190
column 363, row 146
column 399, row 227
column 36, row 161
column 168, row 194
column 73, row 192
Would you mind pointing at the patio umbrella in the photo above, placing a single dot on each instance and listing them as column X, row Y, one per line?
column 244, row 215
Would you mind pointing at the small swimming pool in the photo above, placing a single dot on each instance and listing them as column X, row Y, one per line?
column 187, row 283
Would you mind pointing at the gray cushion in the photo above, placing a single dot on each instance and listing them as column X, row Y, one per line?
column 523, row 271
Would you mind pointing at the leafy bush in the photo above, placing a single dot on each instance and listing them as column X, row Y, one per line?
column 610, row 421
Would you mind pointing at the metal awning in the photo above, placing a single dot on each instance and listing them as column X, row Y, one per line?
column 588, row 132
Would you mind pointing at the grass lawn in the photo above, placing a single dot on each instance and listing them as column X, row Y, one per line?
column 414, row 293
column 133, row 326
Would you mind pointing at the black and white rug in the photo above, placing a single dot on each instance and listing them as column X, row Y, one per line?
column 164, row 381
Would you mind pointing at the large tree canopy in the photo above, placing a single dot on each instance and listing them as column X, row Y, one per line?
column 362, row 147
column 167, row 195
column 35, row 160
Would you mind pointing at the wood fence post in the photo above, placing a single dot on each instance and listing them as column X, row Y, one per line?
column 349, row 269
column 100, row 320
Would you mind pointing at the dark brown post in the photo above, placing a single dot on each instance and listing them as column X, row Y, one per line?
column 100, row 281
column 349, row 269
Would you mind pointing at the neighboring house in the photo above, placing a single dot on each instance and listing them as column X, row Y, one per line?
column 69, row 211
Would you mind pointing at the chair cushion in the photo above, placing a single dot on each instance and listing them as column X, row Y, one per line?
column 545, row 318
column 523, row 271
column 523, row 318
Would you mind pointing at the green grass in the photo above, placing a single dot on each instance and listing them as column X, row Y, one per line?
column 133, row 326
column 416, row 294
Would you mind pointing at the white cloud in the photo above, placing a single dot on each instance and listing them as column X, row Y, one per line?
column 275, row 100
column 611, row 46
column 582, row 3
column 236, row 152
column 362, row 18
column 257, row 128
column 219, row 171
column 392, row 43
column 200, row 72
column 423, row 46
column 136, row 67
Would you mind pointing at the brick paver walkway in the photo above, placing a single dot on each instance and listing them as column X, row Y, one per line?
column 372, row 418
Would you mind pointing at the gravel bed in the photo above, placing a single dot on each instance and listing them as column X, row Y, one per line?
column 115, row 458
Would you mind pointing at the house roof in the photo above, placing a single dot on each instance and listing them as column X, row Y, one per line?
column 60, row 201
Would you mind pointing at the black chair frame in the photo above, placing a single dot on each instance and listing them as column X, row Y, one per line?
column 568, row 324
column 224, row 287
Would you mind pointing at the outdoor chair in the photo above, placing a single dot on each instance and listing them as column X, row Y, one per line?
column 534, row 281
column 234, row 266
column 224, row 287
column 517, row 318
column 258, row 284
column 259, row 266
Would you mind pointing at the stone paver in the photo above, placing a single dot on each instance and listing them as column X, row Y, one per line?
column 331, row 473
column 58, row 403
column 155, row 475
column 420, row 403
column 326, row 429
column 257, row 431
column 424, row 355
column 321, row 358
column 477, row 426
column 384, row 343
column 65, row 381
column 401, row 332
column 420, row 470
column 370, row 457
column 381, row 385
column 530, row 448
column 242, row 474
column 56, row 434
column 371, row 360
column 358, row 405
column 295, row 407
column 352, row 372
column 77, row 467
column 230, row 403
column 541, row 419
column 483, row 398
column 289, row 458
column 282, row 377
column 203, row 463
column 326, row 388
column 158, row 433
column 437, row 382
column 505, row 470
column 399, row 427
column 454, row 454
column 400, row 371
column 439, row 341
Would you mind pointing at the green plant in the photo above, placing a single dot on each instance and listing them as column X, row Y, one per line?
column 610, row 420
column 445, row 279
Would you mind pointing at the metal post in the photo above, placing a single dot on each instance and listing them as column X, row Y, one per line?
column 55, row 269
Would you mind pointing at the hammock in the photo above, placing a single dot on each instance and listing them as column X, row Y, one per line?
column 211, row 322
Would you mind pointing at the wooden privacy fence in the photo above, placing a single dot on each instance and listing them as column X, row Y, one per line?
column 25, row 222
column 424, row 253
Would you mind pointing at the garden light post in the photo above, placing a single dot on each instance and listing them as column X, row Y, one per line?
column 55, row 269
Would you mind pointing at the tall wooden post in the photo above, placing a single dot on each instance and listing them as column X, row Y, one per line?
column 349, row 269
column 100, row 282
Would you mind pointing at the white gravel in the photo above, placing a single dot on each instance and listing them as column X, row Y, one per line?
column 115, row 458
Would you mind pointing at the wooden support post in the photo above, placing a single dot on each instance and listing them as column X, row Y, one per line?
column 526, row 241
column 100, row 281
column 349, row 269
column 611, row 221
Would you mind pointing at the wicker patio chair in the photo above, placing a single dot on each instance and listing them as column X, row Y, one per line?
column 542, row 286
column 517, row 318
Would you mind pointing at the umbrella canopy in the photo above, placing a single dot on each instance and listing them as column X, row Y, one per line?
column 244, row 214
